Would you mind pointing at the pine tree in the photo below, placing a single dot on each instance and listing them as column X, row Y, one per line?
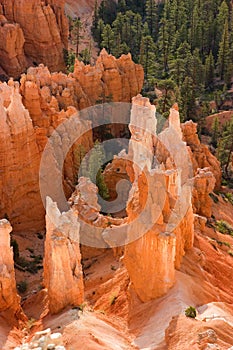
column 197, row 71
column 94, row 165
column 209, row 71
column 121, row 7
column 222, row 17
column 165, row 103
column 147, row 56
column 108, row 38
column 95, row 20
column 152, row 17
column 101, row 184
column 187, row 99
column 225, row 147
column 77, row 26
column 177, row 70
column 99, row 32
column 224, row 56
column 85, row 56
column 164, row 44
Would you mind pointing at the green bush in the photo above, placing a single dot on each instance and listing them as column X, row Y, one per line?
column 222, row 243
column 191, row 312
column 224, row 228
column 229, row 197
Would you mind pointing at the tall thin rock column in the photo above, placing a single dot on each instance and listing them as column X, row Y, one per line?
column 63, row 276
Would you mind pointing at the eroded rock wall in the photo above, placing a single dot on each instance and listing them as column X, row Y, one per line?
column 33, row 32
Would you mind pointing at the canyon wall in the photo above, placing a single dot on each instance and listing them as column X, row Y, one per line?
column 32, row 32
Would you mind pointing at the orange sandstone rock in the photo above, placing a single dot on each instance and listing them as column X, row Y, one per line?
column 19, row 164
column 204, row 183
column 63, row 275
column 166, row 230
column 9, row 300
column 12, row 56
column 201, row 155
column 39, row 32
column 48, row 100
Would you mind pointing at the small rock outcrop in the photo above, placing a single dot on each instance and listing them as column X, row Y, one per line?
column 84, row 202
column 63, row 277
column 201, row 155
column 25, row 42
column 12, row 56
column 44, row 340
column 9, row 299
column 204, row 184
column 117, row 80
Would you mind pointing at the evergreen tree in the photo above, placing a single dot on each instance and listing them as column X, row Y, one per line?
column 95, row 163
column 177, row 70
column 108, row 38
column 152, row 17
column 222, row 17
column 147, row 56
column 209, row 71
column 225, row 147
column 99, row 32
column 164, row 44
column 85, row 56
column 121, row 7
column 181, row 40
column 187, row 99
column 107, row 11
column 95, row 20
column 77, row 26
column 101, row 184
column 224, row 56
column 167, row 100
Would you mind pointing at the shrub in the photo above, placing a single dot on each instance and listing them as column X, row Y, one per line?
column 227, row 244
column 229, row 197
column 224, row 228
column 191, row 312
column 22, row 286
column 214, row 197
